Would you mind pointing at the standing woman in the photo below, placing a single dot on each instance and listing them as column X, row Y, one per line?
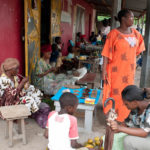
column 122, row 46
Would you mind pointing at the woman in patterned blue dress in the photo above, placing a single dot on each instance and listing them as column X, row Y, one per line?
column 137, row 125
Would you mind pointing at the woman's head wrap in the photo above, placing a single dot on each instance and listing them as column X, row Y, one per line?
column 8, row 64
column 83, row 36
column 46, row 48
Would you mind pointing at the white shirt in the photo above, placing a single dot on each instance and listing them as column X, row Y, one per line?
column 61, row 129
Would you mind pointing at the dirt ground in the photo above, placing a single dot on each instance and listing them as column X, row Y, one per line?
column 36, row 140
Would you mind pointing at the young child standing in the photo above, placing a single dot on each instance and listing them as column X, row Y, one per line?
column 59, row 43
column 54, row 55
column 70, row 53
column 60, row 47
column 61, row 129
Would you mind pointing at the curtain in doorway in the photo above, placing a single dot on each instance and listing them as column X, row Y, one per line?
column 80, row 20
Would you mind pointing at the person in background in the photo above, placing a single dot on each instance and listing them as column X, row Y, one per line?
column 138, row 28
column 13, row 91
column 105, row 28
column 92, row 38
column 59, row 43
column 99, row 38
column 137, row 125
column 109, row 22
column 60, row 49
column 44, row 72
column 78, row 39
column 54, row 55
column 122, row 46
column 70, row 53
column 62, row 129
column 46, row 78
column 83, row 42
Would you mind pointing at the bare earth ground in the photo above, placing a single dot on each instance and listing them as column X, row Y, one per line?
column 36, row 140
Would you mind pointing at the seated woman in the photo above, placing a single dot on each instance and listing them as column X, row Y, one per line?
column 45, row 78
column 137, row 125
column 13, row 92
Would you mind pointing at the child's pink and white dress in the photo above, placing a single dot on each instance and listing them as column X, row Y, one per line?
column 62, row 128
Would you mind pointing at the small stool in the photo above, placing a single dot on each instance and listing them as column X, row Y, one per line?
column 21, row 132
column 10, row 114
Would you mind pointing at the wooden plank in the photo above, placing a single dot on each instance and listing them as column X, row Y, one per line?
column 9, row 112
column 88, row 78
column 123, row 4
column 108, row 7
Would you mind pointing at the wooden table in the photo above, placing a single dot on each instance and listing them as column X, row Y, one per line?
column 89, row 49
column 89, row 78
column 87, row 108
column 94, row 47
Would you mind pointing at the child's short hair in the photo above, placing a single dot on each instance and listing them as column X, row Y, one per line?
column 131, row 93
column 68, row 99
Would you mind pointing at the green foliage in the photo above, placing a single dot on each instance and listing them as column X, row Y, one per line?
column 100, row 18
column 47, row 100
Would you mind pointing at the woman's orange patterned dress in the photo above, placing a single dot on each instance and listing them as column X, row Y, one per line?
column 121, row 51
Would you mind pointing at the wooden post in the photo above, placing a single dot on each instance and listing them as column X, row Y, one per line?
column 142, row 23
column 116, row 7
column 138, row 21
column 145, row 72
column 23, row 131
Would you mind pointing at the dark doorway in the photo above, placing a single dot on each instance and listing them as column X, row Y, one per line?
column 45, row 21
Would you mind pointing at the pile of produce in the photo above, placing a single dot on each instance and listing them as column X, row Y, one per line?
column 95, row 143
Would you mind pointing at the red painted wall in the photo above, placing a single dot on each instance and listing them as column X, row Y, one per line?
column 67, row 29
column 12, row 21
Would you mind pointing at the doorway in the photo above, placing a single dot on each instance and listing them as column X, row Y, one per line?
column 45, row 21
column 80, row 19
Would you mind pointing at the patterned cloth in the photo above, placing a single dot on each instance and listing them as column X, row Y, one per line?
column 121, row 51
column 31, row 97
column 42, row 67
column 139, row 121
column 50, row 83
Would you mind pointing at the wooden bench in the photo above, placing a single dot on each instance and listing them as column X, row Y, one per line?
column 11, row 114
